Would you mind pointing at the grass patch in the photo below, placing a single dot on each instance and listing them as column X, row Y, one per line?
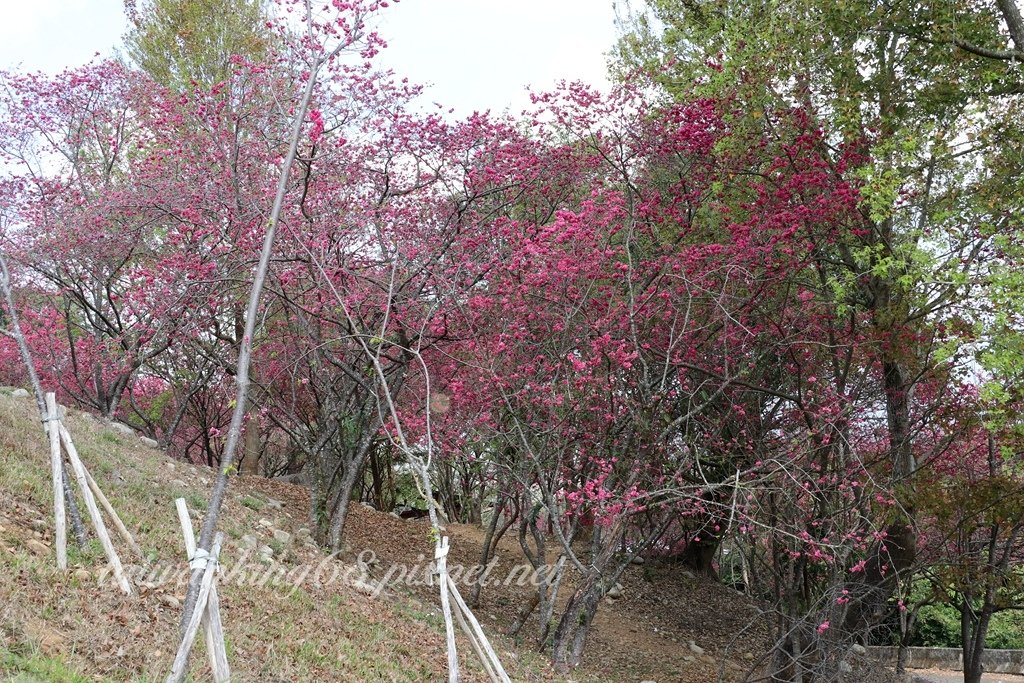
column 195, row 501
column 32, row 666
column 111, row 437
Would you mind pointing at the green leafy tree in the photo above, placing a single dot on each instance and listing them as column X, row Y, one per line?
column 181, row 42
column 930, row 93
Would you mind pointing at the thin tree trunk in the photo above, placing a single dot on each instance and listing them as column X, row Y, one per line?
column 251, row 448
column 340, row 512
column 485, row 553
column 71, row 506
column 245, row 352
column 524, row 615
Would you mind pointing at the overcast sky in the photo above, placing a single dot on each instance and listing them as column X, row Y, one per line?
column 476, row 54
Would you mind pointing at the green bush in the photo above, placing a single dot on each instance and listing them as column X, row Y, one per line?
column 939, row 626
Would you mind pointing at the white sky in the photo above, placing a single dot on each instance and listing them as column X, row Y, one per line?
column 475, row 54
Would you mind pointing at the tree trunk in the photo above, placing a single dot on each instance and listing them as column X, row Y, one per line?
column 37, row 388
column 574, row 626
column 700, row 555
column 71, row 505
column 339, row 515
column 524, row 614
column 250, row 464
column 485, row 553
column 973, row 630
column 206, row 534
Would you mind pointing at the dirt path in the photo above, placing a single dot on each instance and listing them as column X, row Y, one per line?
column 936, row 676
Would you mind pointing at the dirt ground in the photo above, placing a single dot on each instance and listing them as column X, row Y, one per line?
column 645, row 635
column 669, row 626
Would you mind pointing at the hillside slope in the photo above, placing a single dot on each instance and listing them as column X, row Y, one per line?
column 57, row 626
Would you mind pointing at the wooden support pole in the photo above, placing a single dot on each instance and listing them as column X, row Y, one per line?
column 57, row 470
column 478, row 630
column 94, row 513
column 122, row 530
column 475, row 644
column 213, row 628
column 441, row 557
column 180, row 666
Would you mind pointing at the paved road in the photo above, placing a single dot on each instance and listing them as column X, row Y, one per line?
column 958, row 677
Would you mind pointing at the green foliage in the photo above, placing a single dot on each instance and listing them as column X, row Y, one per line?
column 939, row 626
column 941, row 127
column 181, row 42
column 406, row 491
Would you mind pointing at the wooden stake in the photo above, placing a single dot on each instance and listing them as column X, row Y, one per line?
column 122, row 530
column 213, row 628
column 94, row 513
column 479, row 632
column 480, row 654
column 180, row 666
column 441, row 555
column 57, row 469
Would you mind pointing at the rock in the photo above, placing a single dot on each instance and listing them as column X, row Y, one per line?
column 648, row 682
column 37, row 547
column 274, row 504
column 845, row 668
column 367, row 505
column 178, row 483
column 615, row 592
column 170, row 601
column 265, row 524
column 169, row 465
column 266, row 551
column 689, row 658
column 38, row 523
column 19, row 393
column 282, row 536
column 303, row 535
column 695, row 648
column 395, row 515
column 749, row 656
column 88, row 417
column 248, row 541
column 858, row 649
column 638, row 560
column 122, row 428
column 146, row 441
column 82, row 575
